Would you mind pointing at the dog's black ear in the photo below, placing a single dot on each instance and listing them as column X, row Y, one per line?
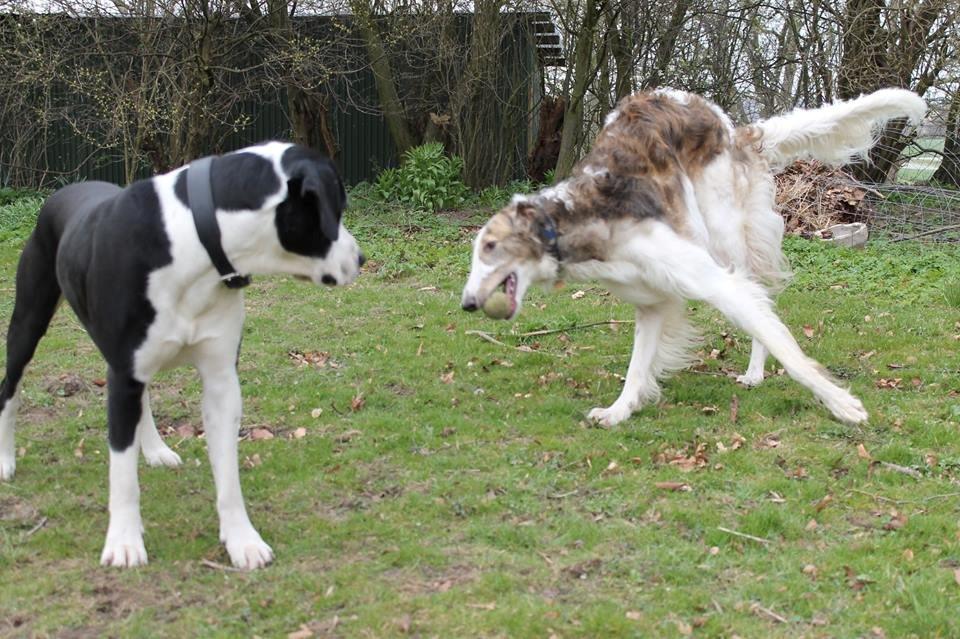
column 320, row 181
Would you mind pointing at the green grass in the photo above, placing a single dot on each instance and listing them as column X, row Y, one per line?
column 480, row 503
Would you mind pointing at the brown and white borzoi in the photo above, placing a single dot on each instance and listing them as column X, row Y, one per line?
column 675, row 203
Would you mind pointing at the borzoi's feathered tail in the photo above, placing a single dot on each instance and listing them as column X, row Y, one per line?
column 838, row 132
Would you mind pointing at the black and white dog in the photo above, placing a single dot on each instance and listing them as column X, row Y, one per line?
column 153, row 273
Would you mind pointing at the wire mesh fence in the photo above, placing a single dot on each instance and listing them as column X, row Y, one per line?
column 914, row 202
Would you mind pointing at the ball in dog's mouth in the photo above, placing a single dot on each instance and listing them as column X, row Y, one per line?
column 502, row 304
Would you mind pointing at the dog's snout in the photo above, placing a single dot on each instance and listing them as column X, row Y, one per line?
column 329, row 280
column 362, row 259
column 469, row 303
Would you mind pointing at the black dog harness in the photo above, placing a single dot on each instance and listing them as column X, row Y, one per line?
column 200, row 197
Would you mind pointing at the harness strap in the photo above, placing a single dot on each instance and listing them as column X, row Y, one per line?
column 200, row 198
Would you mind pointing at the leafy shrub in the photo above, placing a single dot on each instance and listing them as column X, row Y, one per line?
column 426, row 179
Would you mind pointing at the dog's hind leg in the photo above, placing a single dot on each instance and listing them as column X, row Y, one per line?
column 684, row 268
column 640, row 385
column 125, row 419
column 222, row 410
column 758, row 358
column 37, row 297
column 155, row 451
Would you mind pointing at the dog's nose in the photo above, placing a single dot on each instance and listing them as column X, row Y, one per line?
column 469, row 303
column 362, row 259
column 329, row 280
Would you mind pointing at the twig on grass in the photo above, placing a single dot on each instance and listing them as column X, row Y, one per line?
column 737, row 533
column 878, row 497
column 942, row 229
column 760, row 611
column 40, row 524
column 550, row 331
column 487, row 336
column 523, row 349
column 216, row 566
column 897, row 468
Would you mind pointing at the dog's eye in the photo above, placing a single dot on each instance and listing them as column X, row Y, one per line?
column 489, row 246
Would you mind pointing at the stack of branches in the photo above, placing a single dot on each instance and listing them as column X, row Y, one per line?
column 812, row 196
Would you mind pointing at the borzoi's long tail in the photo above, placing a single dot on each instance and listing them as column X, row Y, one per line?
column 838, row 132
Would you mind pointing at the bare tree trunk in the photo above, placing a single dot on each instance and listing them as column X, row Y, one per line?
column 582, row 75
column 949, row 170
column 393, row 111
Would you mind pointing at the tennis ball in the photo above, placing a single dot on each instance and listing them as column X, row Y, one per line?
column 497, row 306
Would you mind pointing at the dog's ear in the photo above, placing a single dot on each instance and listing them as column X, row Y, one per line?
column 527, row 213
column 320, row 182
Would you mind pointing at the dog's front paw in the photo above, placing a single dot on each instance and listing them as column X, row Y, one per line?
column 750, row 379
column 611, row 416
column 162, row 456
column 248, row 551
column 8, row 464
column 124, row 550
column 846, row 408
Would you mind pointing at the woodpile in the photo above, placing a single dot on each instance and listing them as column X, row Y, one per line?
column 813, row 196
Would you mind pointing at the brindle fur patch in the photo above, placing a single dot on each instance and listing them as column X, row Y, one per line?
column 633, row 173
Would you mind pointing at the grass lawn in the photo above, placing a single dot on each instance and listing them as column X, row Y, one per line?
column 424, row 481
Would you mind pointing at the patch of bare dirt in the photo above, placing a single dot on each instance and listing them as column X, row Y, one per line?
column 426, row 580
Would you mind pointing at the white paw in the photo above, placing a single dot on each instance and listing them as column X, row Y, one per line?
column 611, row 416
column 8, row 464
column 847, row 408
column 248, row 551
column 750, row 380
column 124, row 550
column 162, row 456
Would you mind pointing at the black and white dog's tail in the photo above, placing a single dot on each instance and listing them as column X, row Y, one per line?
column 838, row 132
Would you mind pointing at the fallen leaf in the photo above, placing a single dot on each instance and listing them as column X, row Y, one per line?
column 403, row 623
column 260, row 433
column 907, row 555
column 734, row 409
column 811, row 525
column 810, row 570
column 956, row 575
column 770, row 440
column 252, row 461
column 357, row 402
column 862, row 452
column 673, row 485
column 483, row 606
column 823, row 503
column 683, row 627
column 633, row 615
column 808, row 331
column 584, row 569
column 447, row 378
column 300, row 433
column 316, row 412
column 888, row 383
column 100, row 382
column 578, row 295
column 302, row 633
column 897, row 521
column 186, row 431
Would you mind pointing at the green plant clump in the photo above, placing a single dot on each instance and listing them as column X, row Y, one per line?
column 426, row 179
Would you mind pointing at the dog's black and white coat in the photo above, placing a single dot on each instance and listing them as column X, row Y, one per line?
column 131, row 264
